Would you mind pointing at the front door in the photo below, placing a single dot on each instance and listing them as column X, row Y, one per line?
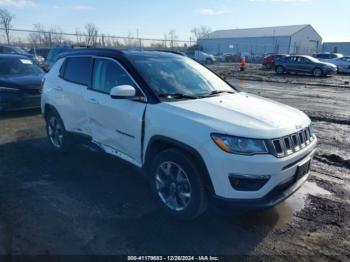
column 116, row 124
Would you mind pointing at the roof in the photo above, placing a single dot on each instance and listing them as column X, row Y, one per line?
column 108, row 52
column 258, row 32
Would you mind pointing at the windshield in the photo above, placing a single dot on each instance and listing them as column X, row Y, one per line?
column 20, row 51
column 18, row 66
column 178, row 75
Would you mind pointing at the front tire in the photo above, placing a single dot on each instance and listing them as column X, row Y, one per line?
column 317, row 72
column 56, row 133
column 176, row 183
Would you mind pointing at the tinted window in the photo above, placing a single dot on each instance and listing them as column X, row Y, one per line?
column 292, row 59
column 18, row 66
column 108, row 74
column 7, row 50
column 324, row 56
column 77, row 70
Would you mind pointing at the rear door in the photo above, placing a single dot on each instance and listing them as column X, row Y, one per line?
column 291, row 64
column 75, row 76
column 305, row 65
column 116, row 124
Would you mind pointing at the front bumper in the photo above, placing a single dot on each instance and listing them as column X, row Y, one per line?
column 281, row 171
column 276, row 196
column 16, row 101
column 329, row 71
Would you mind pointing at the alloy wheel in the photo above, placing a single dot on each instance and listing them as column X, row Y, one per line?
column 173, row 186
column 55, row 132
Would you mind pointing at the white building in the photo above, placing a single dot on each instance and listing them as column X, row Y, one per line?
column 293, row 39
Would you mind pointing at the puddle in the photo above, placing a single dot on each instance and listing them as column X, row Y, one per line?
column 280, row 215
column 297, row 201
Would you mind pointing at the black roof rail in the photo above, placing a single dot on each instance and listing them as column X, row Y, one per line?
column 170, row 51
column 89, row 51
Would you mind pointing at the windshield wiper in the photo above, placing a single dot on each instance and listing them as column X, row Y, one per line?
column 177, row 95
column 215, row 92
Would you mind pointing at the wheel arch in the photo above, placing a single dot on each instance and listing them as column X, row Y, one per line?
column 50, row 108
column 159, row 143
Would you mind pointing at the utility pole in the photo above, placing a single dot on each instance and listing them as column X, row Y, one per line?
column 138, row 38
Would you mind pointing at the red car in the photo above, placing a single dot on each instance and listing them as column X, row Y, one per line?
column 269, row 60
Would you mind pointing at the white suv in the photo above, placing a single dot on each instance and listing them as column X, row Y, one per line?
column 193, row 135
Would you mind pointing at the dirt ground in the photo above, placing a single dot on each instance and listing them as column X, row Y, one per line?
column 257, row 73
column 85, row 203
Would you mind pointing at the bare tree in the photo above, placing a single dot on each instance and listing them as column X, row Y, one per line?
column 172, row 37
column 42, row 37
column 6, row 22
column 56, row 34
column 91, row 34
column 78, row 35
column 201, row 32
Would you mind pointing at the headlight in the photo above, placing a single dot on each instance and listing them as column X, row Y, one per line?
column 240, row 145
column 8, row 89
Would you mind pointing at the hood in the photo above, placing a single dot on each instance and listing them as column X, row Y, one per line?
column 22, row 81
column 243, row 114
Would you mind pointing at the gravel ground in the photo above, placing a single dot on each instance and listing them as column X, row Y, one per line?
column 84, row 203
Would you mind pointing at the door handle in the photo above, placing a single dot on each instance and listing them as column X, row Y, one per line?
column 58, row 88
column 93, row 101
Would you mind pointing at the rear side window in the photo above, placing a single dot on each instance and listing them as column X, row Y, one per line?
column 323, row 56
column 77, row 70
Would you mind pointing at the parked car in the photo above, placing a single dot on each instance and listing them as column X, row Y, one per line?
column 20, row 51
column 53, row 53
column 269, row 60
column 328, row 57
column 228, row 57
column 43, row 52
column 343, row 64
column 201, row 57
column 20, row 83
column 219, row 58
column 193, row 135
column 304, row 64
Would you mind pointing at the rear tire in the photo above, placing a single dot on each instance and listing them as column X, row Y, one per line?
column 317, row 72
column 280, row 70
column 58, row 138
column 177, row 184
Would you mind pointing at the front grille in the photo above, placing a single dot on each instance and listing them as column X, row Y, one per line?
column 287, row 145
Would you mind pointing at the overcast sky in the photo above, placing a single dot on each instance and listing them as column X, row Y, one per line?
column 153, row 18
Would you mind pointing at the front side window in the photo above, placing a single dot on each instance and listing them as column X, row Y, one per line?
column 77, row 70
column 108, row 74
column 18, row 66
column 178, row 75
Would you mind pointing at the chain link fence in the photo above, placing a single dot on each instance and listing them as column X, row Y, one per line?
column 40, row 39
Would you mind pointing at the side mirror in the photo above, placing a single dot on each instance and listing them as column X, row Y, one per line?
column 123, row 92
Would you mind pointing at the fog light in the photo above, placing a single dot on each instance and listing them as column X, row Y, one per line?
column 248, row 182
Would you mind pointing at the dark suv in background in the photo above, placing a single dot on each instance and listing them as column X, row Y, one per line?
column 304, row 64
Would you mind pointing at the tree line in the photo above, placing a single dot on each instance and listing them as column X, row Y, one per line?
column 41, row 35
